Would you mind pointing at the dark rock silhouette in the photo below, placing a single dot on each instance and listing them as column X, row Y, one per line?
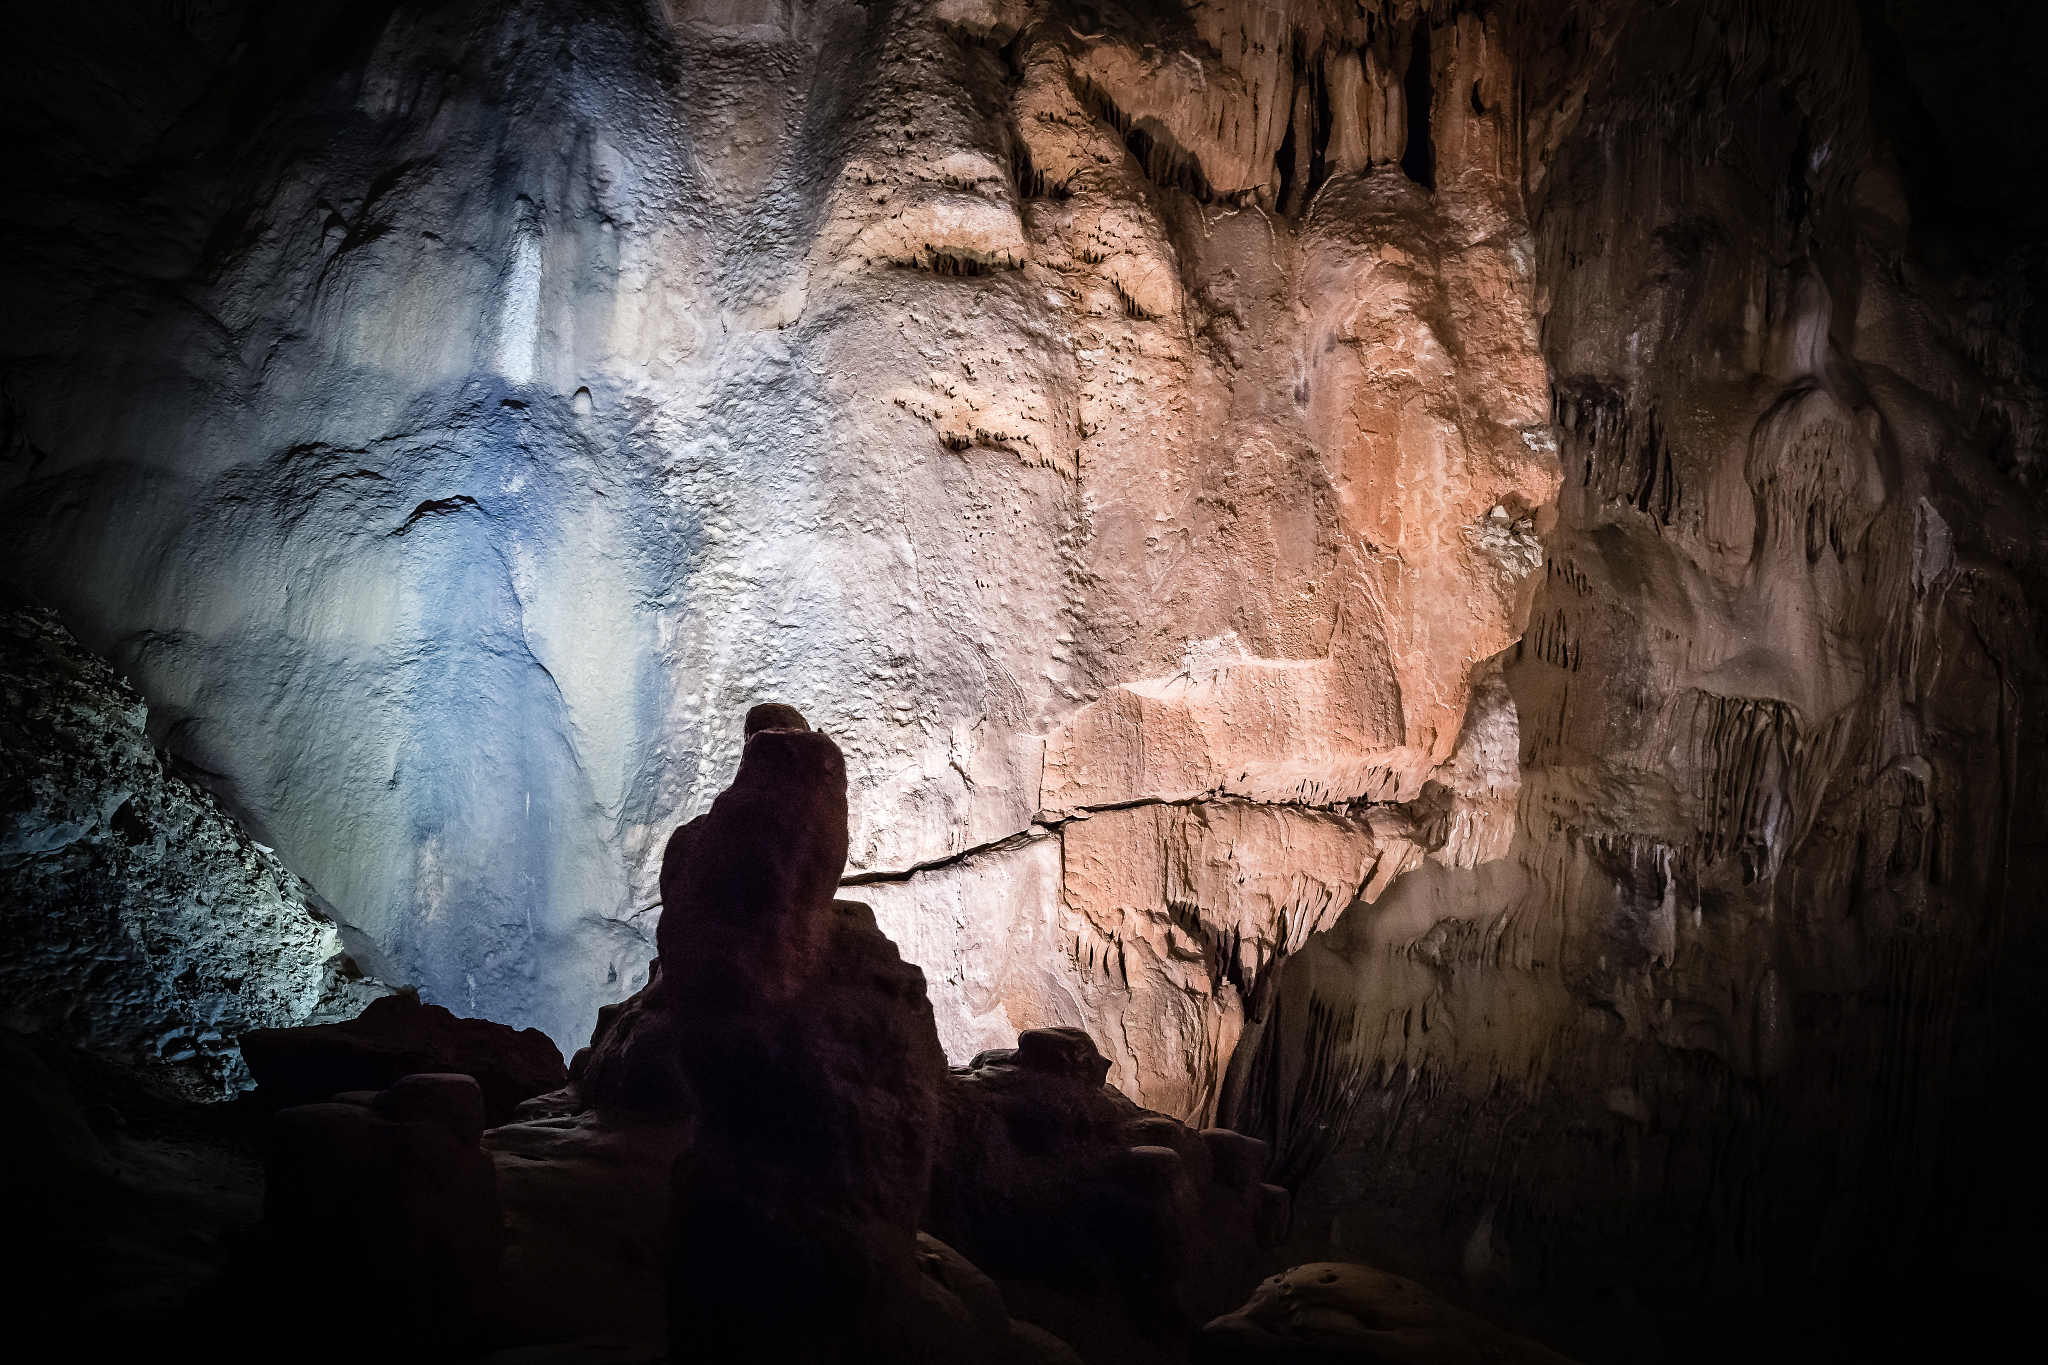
column 809, row 1048
column 745, row 888
column 631, row 1064
column 827, row 1130
column 676, row 856
column 388, row 1194
column 763, row 1154
column 1118, row 1228
column 399, row 1036
column 632, row 1060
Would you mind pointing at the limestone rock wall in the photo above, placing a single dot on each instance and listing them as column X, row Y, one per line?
column 1745, row 1004
column 1070, row 410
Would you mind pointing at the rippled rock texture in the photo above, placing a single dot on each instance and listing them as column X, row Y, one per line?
column 1459, row 585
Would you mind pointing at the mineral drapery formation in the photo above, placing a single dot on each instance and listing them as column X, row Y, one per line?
column 1458, row 586
column 1755, row 971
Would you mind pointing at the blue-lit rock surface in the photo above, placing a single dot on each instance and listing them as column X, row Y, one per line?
column 139, row 918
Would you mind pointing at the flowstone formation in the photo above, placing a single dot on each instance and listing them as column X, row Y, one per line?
column 1753, row 997
column 1077, row 409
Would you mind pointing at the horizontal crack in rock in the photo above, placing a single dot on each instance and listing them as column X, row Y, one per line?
column 1049, row 823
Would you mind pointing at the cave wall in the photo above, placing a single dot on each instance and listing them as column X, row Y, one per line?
column 1749, row 1011
column 140, row 920
column 484, row 404
column 1459, row 584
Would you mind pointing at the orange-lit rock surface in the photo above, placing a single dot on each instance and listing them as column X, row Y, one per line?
column 1310, row 444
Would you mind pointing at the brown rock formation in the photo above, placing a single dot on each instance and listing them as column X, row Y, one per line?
column 789, row 1057
column 808, row 1050
column 586, row 1201
column 1312, row 444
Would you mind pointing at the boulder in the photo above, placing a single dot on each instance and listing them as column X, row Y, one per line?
column 398, row 1036
column 585, row 1200
column 1117, row 1228
column 962, row 1317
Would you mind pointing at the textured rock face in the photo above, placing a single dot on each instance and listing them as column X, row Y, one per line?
column 1750, row 993
column 137, row 916
column 543, row 386
column 1525, row 518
